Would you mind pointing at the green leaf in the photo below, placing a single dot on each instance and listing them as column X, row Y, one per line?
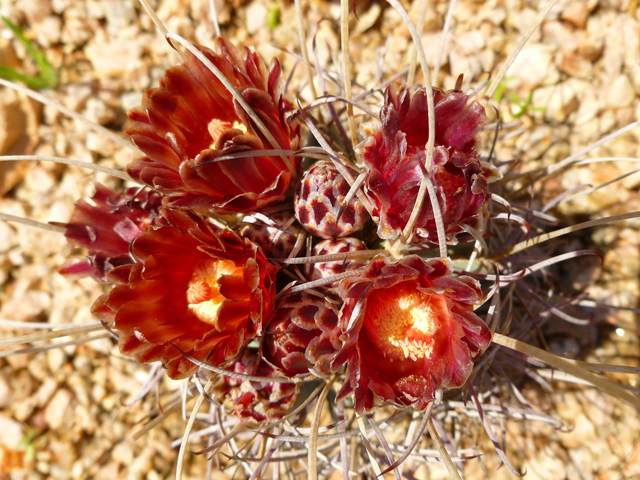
column 30, row 81
column 273, row 16
column 47, row 73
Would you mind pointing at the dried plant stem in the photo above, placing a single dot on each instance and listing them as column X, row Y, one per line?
column 187, row 432
column 312, row 458
column 67, row 161
column 303, row 48
column 214, row 17
column 569, row 160
column 451, row 468
column 165, row 413
column 31, row 223
column 36, row 337
column 569, row 366
column 326, row 280
column 228, row 373
column 334, row 257
column 160, row 26
column 411, row 76
column 437, row 215
column 44, row 348
column 76, row 116
column 516, row 51
column 367, row 446
column 443, row 40
column 221, row 442
column 302, row 406
column 563, row 231
column 42, row 325
column 236, row 95
column 346, row 67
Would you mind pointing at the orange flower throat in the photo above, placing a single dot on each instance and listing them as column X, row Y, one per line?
column 402, row 321
column 203, row 295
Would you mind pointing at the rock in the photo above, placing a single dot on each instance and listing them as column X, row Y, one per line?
column 589, row 108
column 632, row 468
column 5, row 393
column 108, row 472
column 607, row 121
column 55, row 411
column 472, row 43
column 256, row 15
column 12, row 432
column 431, row 45
column 461, row 62
column 49, row 31
column 631, row 31
column 11, row 461
column 34, row 10
column 534, row 66
column 621, row 93
column 368, row 19
column 634, row 76
column 119, row 15
column 122, row 453
column 521, row 19
column 23, row 410
column 19, row 119
column 26, row 305
column 559, row 34
column 625, row 116
column 98, row 111
column 574, row 65
column 141, row 465
column 576, row 14
column 534, row 145
column 114, row 59
column 591, row 49
column 433, row 21
column 558, row 101
column 613, row 55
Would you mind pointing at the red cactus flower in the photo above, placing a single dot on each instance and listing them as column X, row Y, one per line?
column 107, row 228
column 254, row 400
column 395, row 155
column 192, row 119
column 411, row 329
column 303, row 335
column 203, row 289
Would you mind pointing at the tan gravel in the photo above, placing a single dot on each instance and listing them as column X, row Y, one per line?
column 61, row 412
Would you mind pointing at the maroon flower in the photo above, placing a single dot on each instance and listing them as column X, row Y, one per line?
column 303, row 335
column 203, row 289
column 408, row 328
column 395, row 156
column 192, row 119
column 253, row 400
column 107, row 229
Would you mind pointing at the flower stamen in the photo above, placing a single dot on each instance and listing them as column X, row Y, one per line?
column 402, row 324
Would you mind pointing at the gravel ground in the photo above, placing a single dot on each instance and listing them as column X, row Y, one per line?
column 578, row 80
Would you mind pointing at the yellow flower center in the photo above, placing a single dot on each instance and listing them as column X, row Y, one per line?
column 401, row 322
column 217, row 127
column 203, row 295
